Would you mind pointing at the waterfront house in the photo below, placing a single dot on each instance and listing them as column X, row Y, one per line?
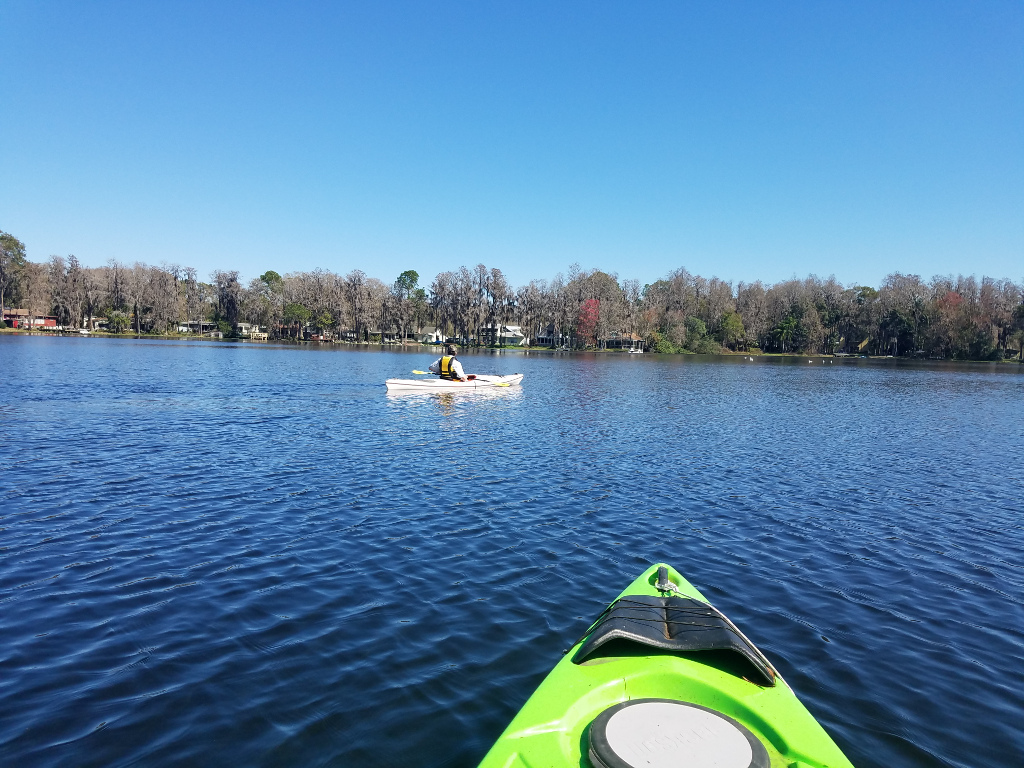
column 251, row 331
column 393, row 336
column 505, row 335
column 196, row 326
column 19, row 318
column 429, row 335
column 549, row 337
column 13, row 316
column 619, row 340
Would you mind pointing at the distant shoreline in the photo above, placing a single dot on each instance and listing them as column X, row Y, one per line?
column 432, row 348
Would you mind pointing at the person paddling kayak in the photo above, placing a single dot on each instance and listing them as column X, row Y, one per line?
column 448, row 366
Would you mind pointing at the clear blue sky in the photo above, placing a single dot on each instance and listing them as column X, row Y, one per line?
column 743, row 140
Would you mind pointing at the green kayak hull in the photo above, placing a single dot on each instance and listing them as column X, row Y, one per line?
column 551, row 730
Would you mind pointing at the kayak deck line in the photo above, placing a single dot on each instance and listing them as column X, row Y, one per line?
column 667, row 677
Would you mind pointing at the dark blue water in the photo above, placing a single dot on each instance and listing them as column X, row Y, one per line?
column 219, row 553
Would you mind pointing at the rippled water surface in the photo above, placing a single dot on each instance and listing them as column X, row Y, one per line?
column 240, row 554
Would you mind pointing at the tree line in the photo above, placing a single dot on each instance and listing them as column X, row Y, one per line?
column 946, row 317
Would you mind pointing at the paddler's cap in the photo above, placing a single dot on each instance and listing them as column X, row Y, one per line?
column 450, row 349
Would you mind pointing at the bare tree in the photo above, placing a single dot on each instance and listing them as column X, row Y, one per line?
column 263, row 301
column 135, row 285
column 74, row 282
column 61, row 300
column 531, row 308
column 228, row 292
column 630, row 306
column 356, row 297
column 752, row 306
column 93, row 281
column 116, row 288
column 194, row 298
column 442, row 302
column 163, row 289
column 35, row 291
column 404, row 290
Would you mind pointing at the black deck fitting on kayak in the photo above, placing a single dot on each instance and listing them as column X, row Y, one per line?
column 678, row 624
column 664, row 585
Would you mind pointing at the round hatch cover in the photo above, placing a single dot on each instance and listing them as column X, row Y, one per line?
column 661, row 733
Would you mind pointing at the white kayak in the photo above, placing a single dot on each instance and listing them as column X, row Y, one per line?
column 435, row 384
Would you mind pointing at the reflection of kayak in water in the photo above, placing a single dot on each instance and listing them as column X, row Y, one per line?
column 444, row 385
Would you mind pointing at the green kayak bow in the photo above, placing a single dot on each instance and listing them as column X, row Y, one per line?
column 663, row 679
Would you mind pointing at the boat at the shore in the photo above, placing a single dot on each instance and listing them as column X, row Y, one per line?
column 663, row 678
column 435, row 384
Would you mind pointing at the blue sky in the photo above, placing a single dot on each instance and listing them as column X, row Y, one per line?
column 742, row 140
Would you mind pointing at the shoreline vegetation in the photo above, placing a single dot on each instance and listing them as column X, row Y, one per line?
column 433, row 348
column 961, row 318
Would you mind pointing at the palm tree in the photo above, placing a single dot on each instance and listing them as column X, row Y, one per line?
column 785, row 331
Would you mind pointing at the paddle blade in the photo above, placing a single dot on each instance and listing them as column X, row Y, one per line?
column 422, row 373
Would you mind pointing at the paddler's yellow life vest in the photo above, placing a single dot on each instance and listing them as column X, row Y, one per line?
column 446, row 368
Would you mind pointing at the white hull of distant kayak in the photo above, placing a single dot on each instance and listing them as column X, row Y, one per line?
column 434, row 384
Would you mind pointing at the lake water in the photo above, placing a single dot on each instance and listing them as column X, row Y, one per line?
column 219, row 553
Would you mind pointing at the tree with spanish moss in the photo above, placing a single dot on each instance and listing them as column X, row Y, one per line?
column 12, row 262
